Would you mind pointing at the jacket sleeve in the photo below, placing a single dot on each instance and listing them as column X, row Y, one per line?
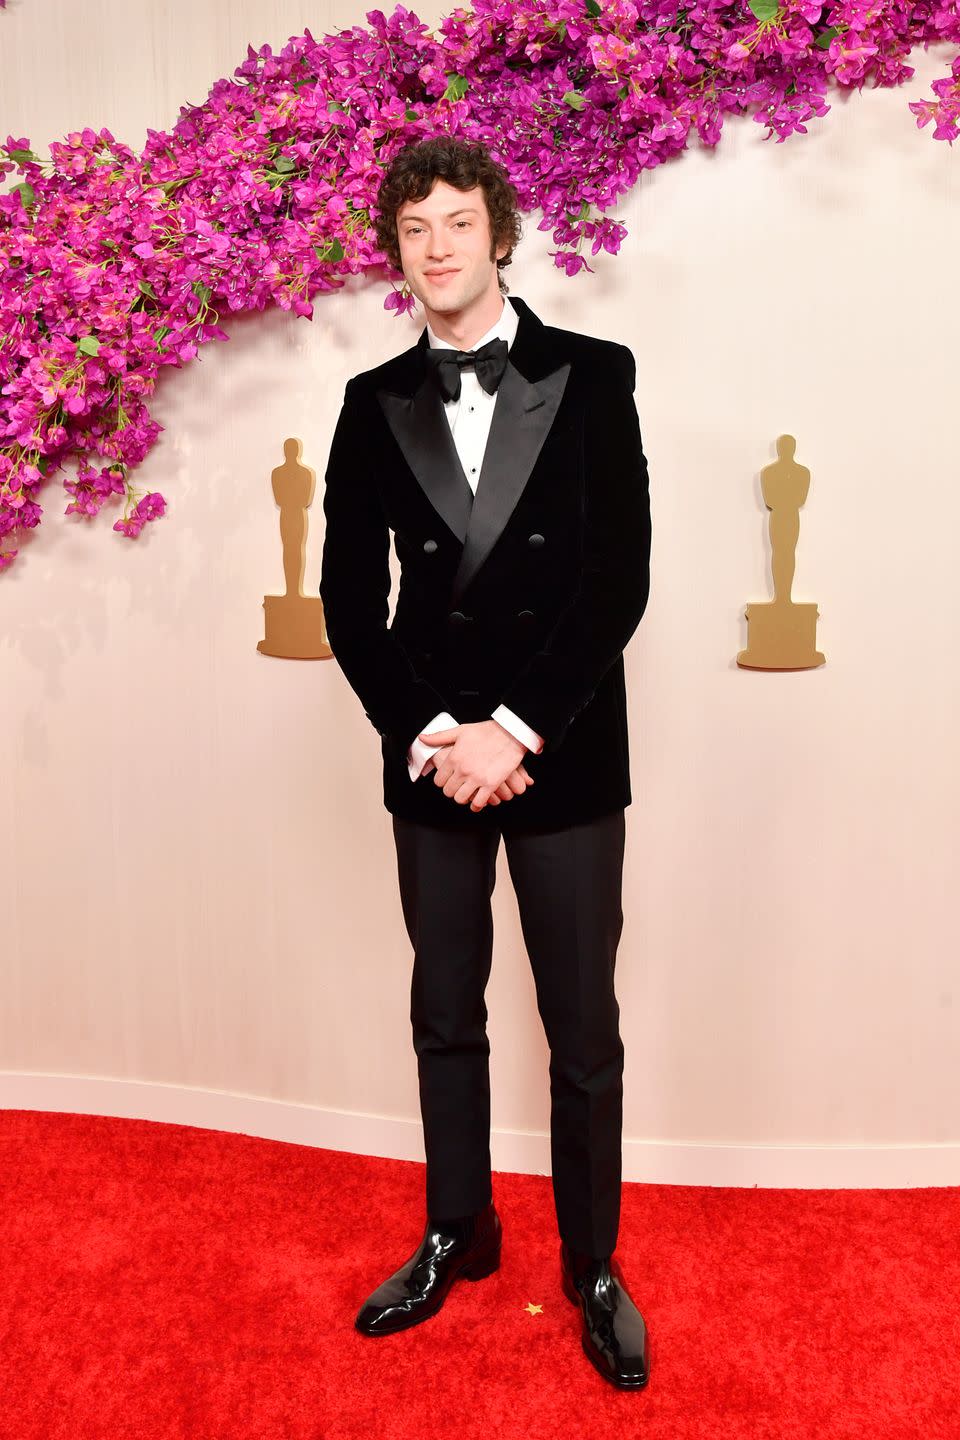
column 355, row 588
column 593, row 630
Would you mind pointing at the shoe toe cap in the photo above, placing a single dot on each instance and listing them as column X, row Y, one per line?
column 375, row 1320
column 631, row 1368
column 382, row 1314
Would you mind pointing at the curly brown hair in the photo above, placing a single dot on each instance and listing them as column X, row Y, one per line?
column 411, row 175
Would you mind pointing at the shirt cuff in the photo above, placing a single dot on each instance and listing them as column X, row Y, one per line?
column 419, row 752
column 518, row 728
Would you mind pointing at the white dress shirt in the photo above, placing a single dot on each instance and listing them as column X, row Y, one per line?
column 469, row 418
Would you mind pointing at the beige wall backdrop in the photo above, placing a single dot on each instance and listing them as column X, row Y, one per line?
column 201, row 918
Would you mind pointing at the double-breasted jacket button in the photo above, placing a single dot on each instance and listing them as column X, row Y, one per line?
column 525, row 615
column 429, row 546
column 535, row 540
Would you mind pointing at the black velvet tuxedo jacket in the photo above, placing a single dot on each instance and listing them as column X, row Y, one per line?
column 524, row 595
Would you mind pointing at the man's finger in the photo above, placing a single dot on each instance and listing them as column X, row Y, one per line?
column 442, row 770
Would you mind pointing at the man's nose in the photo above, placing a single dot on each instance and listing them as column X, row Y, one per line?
column 437, row 249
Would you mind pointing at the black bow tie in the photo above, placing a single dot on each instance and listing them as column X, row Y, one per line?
column 489, row 361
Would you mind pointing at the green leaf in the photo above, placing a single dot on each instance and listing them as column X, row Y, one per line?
column 410, row 114
column 825, row 36
column 26, row 193
column 574, row 99
column 146, row 288
column 22, row 156
column 593, row 8
column 333, row 250
column 88, row 345
column 457, row 86
column 764, row 9
column 284, row 163
column 202, row 292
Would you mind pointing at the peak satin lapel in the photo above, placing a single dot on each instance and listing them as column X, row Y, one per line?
column 522, row 417
column 421, row 430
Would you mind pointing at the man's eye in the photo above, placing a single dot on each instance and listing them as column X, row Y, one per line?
column 416, row 228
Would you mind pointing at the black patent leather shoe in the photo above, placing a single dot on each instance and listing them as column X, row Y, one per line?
column 468, row 1247
column 614, row 1334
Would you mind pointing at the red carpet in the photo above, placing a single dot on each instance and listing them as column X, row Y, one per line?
column 171, row 1283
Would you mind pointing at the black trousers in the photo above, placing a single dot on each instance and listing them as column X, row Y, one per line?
column 568, row 884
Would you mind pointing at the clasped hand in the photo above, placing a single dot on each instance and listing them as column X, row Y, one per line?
column 479, row 763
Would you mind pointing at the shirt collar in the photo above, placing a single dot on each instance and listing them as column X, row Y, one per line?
column 504, row 329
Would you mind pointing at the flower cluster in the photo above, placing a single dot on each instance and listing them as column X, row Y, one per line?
column 114, row 264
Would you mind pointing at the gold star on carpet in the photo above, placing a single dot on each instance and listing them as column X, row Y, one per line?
column 534, row 1309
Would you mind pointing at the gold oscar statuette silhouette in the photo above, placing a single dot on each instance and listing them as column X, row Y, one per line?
column 782, row 635
column 293, row 623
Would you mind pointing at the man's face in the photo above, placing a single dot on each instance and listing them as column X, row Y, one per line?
column 445, row 248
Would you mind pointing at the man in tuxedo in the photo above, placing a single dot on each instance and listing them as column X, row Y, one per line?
column 505, row 456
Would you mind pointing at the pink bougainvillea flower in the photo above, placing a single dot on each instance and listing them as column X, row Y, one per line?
column 115, row 264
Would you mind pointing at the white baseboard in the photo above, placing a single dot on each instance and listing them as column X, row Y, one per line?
column 660, row 1162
